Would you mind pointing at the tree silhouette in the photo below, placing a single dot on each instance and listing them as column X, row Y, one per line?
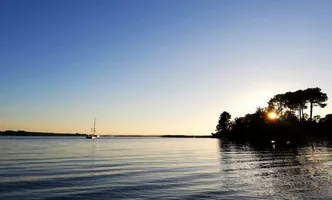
column 224, row 122
column 300, row 101
column 277, row 104
column 328, row 117
column 315, row 97
column 295, row 101
column 291, row 122
column 316, row 118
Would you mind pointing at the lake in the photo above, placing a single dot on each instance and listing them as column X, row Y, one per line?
column 161, row 168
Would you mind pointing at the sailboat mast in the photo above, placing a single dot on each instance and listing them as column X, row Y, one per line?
column 94, row 126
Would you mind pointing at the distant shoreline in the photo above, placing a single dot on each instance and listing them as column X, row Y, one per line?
column 28, row 133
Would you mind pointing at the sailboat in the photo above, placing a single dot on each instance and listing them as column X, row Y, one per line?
column 93, row 130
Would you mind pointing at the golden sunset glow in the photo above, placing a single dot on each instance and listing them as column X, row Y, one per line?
column 272, row 115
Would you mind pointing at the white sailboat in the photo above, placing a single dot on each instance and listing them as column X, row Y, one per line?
column 93, row 130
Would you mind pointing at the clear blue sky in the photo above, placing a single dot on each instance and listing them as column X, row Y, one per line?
column 155, row 67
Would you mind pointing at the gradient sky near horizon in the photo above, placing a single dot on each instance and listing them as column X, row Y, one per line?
column 156, row 67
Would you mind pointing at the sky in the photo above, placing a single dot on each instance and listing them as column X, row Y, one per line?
column 156, row 67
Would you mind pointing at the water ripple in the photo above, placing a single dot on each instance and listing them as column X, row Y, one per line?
column 160, row 168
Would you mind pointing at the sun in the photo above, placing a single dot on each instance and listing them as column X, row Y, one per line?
column 272, row 115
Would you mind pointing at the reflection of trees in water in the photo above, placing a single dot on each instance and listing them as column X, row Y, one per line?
column 304, row 168
column 285, row 172
column 313, row 169
column 239, row 168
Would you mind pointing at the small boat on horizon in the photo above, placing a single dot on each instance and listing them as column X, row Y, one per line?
column 93, row 130
column 92, row 136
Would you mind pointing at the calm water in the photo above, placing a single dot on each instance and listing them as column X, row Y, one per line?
column 160, row 168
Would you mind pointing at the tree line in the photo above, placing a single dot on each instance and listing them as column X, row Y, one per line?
column 284, row 117
column 298, row 101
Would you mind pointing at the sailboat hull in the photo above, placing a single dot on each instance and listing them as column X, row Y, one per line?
column 91, row 136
